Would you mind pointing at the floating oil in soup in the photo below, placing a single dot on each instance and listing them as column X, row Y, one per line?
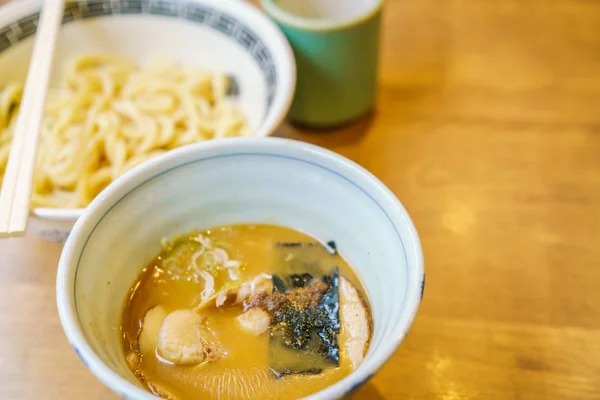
column 245, row 312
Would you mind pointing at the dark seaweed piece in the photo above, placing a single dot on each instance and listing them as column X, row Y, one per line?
column 297, row 244
column 330, row 305
column 298, row 281
column 282, row 373
column 279, row 285
column 332, row 247
column 305, row 324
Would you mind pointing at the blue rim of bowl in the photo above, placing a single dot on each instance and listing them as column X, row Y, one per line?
column 187, row 10
column 96, row 365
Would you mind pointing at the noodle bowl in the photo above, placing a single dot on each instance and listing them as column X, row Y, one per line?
column 220, row 38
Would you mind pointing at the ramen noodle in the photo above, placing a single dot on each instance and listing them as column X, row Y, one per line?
column 108, row 115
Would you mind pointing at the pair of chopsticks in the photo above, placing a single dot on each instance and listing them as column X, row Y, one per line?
column 15, row 194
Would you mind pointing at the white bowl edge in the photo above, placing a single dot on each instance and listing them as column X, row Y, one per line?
column 115, row 382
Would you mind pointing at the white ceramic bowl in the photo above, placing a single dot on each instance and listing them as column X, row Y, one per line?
column 225, row 35
column 254, row 180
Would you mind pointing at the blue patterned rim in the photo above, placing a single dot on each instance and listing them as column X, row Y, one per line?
column 188, row 10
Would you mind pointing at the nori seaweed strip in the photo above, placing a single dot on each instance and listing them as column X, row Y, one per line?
column 330, row 246
column 279, row 285
column 298, row 281
column 297, row 244
column 281, row 374
column 330, row 305
column 312, row 332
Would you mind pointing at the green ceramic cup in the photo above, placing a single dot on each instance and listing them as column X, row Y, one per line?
column 336, row 45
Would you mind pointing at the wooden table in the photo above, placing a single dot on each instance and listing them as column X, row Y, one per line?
column 488, row 130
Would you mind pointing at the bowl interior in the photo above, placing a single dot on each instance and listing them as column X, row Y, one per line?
column 266, row 180
column 224, row 38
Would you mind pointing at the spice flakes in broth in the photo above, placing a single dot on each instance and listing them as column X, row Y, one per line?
column 245, row 312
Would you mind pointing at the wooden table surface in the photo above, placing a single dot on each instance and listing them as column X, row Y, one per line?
column 488, row 130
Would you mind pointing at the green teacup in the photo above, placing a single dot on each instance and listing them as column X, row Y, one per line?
column 336, row 45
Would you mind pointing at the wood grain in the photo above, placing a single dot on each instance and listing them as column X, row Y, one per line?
column 488, row 130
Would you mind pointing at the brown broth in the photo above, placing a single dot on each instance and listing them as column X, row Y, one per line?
column 244, row 372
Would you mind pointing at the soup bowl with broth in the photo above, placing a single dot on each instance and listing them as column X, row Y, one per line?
column 133, row 79
column 240, row 268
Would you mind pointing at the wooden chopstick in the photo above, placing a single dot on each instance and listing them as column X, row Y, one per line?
column 15, row 195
